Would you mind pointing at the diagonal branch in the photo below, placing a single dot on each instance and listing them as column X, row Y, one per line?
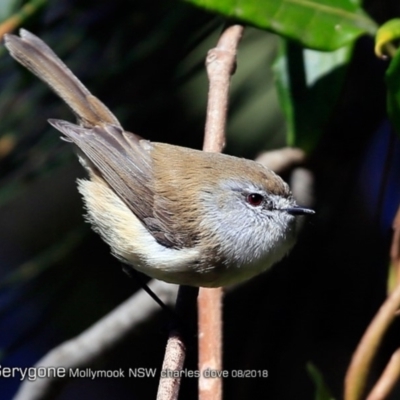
column 360, row 365
column 92, row 344
column 388, row 379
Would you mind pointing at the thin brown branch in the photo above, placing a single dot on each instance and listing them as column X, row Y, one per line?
column 388, row 379
column 283, row 159
column 220, row 64
column 175, row 352
column 395, row 248
column 360, row 365
column 210, row 342
column 391, row 374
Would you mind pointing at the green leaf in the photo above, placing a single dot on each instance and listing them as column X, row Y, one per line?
column 7, row 7
column 10, row 21
column 318, row 24
column 393, row 94
column 321, row 390
column 309, row 83
column 387, row 33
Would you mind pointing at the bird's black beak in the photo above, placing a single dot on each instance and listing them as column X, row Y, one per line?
column 299, row 211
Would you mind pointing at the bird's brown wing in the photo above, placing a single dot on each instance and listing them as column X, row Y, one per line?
column 123, row 160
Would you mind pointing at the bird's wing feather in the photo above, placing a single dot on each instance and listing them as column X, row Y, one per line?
column 123, row 160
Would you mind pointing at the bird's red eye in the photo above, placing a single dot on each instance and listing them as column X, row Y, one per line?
column 254, row 199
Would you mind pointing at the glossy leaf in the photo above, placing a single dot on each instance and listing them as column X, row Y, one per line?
column 393, row 90
column 308, row 84
column 322, row 24
column 20, row 16
column 387, row 33
column 7, row 7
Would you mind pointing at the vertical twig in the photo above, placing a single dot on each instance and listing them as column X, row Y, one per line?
column 220, row 64
column 175, row 352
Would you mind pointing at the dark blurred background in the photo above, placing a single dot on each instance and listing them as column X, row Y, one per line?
column 145, row 60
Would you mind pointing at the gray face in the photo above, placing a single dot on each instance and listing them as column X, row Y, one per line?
column 249, row 223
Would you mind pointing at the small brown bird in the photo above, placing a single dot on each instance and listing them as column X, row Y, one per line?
column 180, row 215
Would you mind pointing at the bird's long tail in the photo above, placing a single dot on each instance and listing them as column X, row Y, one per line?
column 37, row 57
